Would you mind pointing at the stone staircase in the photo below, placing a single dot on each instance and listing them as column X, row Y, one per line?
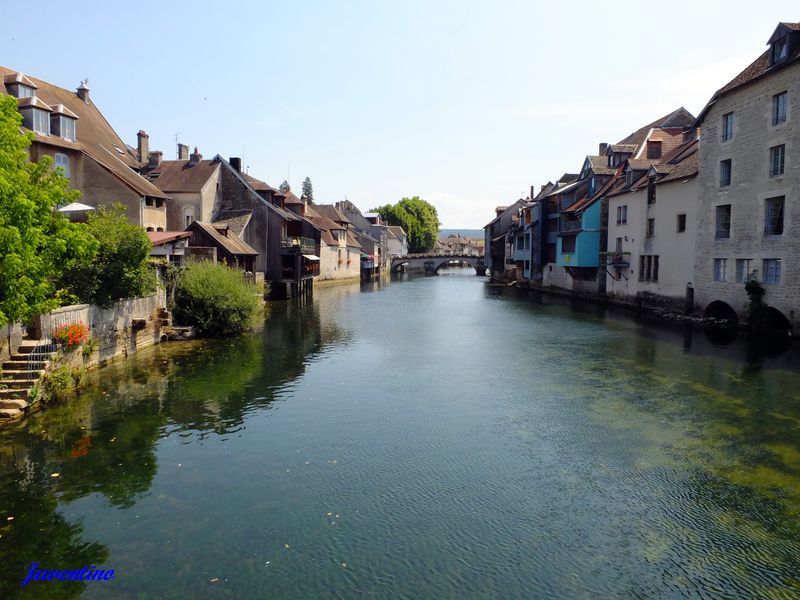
column 19, row 376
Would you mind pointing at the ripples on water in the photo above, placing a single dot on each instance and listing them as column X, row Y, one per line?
column 418, row 440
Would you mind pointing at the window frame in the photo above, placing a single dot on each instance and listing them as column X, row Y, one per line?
column 720, row 268
column 61, row 161
column 650, row 230
column 774, row 219
column 777, row 160
column 681, row 225
column 743, row 274
column 779, row 105
column 725, row 172
column 727, row 127
column 719, row 210
column 775, row 278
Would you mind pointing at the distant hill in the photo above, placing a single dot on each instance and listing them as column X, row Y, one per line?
column 470, row 233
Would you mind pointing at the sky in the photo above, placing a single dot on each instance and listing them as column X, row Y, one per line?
column 465, row 104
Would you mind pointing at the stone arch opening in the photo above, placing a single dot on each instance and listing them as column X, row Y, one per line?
column 722, row 311
column 455, row 261
column 775, row 320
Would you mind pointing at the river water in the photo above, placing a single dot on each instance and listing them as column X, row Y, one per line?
column 424, row 439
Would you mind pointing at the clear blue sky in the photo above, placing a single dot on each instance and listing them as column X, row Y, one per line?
column 466, row 104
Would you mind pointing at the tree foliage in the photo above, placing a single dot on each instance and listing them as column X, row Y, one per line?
column 216, row 299
column 285, row 187
column 418, row 219
column 120, row 268
column 36, row 241
column 308, row 190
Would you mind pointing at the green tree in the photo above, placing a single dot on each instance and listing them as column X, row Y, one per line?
column 308, row 190
column 418, row 219
column 120, row 269
column 36, row 241
column 285, row 187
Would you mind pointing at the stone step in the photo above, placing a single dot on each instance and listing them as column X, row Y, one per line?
column 10, row 393
column 11, row 413
column 22, row 364
column 28, row 346
column 17, row 384
column 14, row 403
column 23, row 375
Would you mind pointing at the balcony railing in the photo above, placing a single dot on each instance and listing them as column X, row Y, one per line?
column 617, row 259
column 571, row 225
column 298, row 244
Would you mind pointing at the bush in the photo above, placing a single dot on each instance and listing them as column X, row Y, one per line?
column 216, row 299
column 71, row 335
column 120, row 269
column 61, row 384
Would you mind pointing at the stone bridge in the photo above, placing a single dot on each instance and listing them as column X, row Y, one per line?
column 431, row 263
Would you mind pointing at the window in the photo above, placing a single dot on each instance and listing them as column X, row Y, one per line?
column 742, row 270
column 725, row 172
column 62, row 162
column 23, row 91
column 681, row 223
column 727, row 126
column 651, row 227
column 773, row 216
column 651, row 190
column 568, row 244
column 648, row 268
column 772, row 270
column 629, row 178
column 520, row 242
column 188, row 216
column 720, row 269
column 149, row 202
column 41, row 121
column 592, row 185
column 653, row 150
column 723, row 221
column 780, row 50
column 622, row 214
column 68, row 129
column 779, row 108
column 777, row 156
column 618, row 247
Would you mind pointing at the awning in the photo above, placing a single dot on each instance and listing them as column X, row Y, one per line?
column 310, row 257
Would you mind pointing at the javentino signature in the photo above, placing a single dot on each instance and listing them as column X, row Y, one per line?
column 91, row 573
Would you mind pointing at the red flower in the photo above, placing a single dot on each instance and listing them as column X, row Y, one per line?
column 72, row 335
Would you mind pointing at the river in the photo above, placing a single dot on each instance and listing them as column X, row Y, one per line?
column 424, row 439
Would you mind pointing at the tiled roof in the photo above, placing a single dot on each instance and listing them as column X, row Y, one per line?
column 60, row 109
column 95, row 135
column 291, row 198
column 157, row 238
column 180, row 176
column 352, row 241
column 331, row 212
column 626, row 148
column 236, row 219
column 260, row 186
column 35, row 102
column 600, row 165
column 14, row 77
column 398, row 231
column 231, row 242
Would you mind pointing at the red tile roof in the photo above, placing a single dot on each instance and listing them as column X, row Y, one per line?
column 157, row 238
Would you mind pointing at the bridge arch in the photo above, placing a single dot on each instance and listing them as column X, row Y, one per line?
column 431, row 263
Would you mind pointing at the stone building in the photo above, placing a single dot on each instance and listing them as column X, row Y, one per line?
column 749, row 185
column 69, row 128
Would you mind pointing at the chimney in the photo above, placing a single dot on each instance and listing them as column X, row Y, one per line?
column 533, row 192
column 195, row 157
column 83, row 90
column 236, row 163
column 142, row 146
column 603, row 147
column 183, row 152
column 154, row 159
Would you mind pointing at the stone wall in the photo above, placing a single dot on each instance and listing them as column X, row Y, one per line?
column 10, row 339
column 751, row 184
column 124, row 328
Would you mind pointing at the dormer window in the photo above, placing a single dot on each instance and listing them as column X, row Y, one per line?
column 629, row 178
column 40, row 121
column 780, row 50
column 19, row 86
column 23, row 91
column 653, row 150
column 63, row 122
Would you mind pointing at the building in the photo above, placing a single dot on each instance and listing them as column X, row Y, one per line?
column 652, row 230
column 70, row 129
column 583, row 204
column 749, row 186
column 340, row 251
column 396, row 241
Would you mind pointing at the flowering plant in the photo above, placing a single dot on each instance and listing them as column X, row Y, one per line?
column 71, row 335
